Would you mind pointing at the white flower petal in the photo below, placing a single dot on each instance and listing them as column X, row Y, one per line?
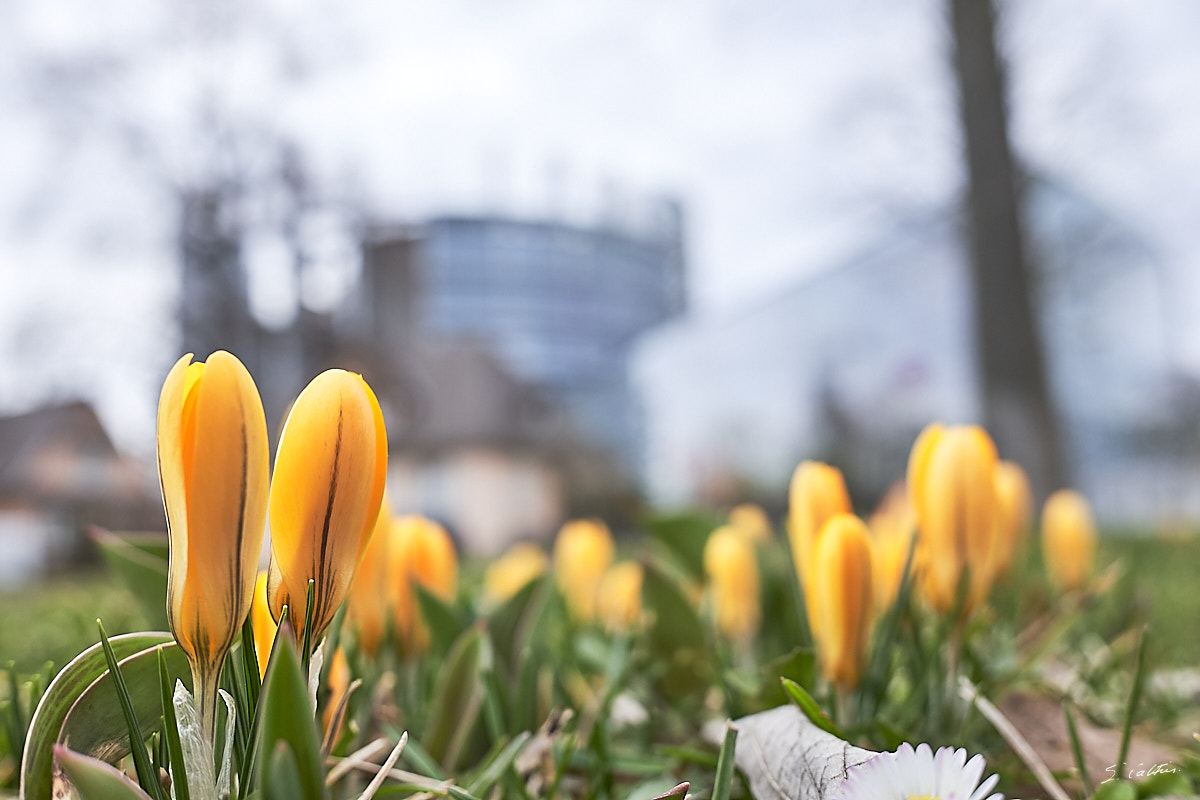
column 987, row 786
column 947, row 775
column 973, row 771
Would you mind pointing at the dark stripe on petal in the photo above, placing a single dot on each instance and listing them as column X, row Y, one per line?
column 321, row 594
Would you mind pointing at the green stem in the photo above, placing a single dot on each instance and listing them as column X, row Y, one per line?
column 206, row 679
column 953, row 668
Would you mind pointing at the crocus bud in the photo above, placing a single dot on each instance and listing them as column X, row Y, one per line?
column 843, row 598
column 751, row 521
column 421, row 553
column 213, row 462
column 262, row 624
column 582, row 553
column 366, row 611
column 892, row 531
column 508, row 574
column 339, row 684
column 1014, row 512
column 817, row 493
column 619, row 600
column 955, row 498
column 325, row 496
column 918, row 465
column 731, row 563
column 1068, row 539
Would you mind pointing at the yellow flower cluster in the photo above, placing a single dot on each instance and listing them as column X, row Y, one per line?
column 832, row 552
column 964, row 514
column 213, row 462
column 595, row 588
column 974, row 512
column 405, row 551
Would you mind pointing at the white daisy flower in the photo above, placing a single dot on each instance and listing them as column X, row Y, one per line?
column 909, row 774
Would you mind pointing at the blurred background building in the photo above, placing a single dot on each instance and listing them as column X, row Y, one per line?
column 499, row 349
column 60, row 472
column 850, row 365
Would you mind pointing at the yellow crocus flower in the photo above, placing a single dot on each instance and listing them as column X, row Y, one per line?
column 892, row 529
column 918, row 465
column 582, row 553
column 509, row 573
column 262, row 623
column 366, row 611
column 213, row 462
column 752, row 521
column 325, row 496
column 954, row 494
column 1068, row 539
column 619, row 600
column 1014, row 500
column 843, row 598
column 731, row 563
column 817, row 493
column 339, row 683
column 421, row 552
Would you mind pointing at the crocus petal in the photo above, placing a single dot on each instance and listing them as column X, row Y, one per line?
column 325, row 496
column 366, row 611
column 506, row 575
column 817, row 493
column 619, row 601
column 843, row 598
column 1014, row 501
column 918, row 465
column 956, row 510
column 583, row 550
column 420, row 551
column 213, row 465
column 262, row 624
column 731, row 563
column 1068, row 538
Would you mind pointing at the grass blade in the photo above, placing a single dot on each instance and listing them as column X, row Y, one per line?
column 250, row 665
column 422, row 761
column 288, row 717
column 815, row 715
column 18, row 724
column 137, row 743
column 723, row 785
column 1135, row 697
column 306, row 650
column 171, row 731
column 494, row 771
column 1077, row 751
column 246, row 772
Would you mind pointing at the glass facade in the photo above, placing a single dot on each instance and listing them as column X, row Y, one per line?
column 559, row 305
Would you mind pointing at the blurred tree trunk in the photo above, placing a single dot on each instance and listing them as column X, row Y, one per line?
column 1016, row 404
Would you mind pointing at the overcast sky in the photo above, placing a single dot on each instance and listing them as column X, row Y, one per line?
column 794, row 132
